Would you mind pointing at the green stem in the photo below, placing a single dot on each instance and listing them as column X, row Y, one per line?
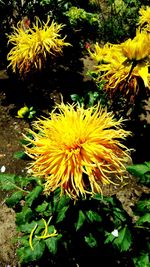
column 134, row 63
column 19, row 188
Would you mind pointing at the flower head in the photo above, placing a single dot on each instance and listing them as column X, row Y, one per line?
column 32, row 45
column 114, row 62
column 138, row 48
column 78, row 150
column 144, row 19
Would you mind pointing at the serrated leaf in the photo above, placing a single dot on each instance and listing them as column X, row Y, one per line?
column 24, row 240
column 118, row 215
column 80, row 221
column 61, row 214
column 33, row 195
column 42, row 207
column 23, row 216
column 124, row 239
column 52, row 242
column 14, row 198
column 48, row 211
column 93, row 216
column 143, row 219
column 90, row 240
column 26, row 255
column 27, row 227
column 7, row 181
column 143, row 205
column 63, row 201
column 109, row 238
column 142, row 261
column 138, row 169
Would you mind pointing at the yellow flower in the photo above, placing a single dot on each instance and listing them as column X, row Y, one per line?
column 114, row 63
column 107, row 54
column 78, row 150
column 32, row 45
column 138, row 48
column 22, row 112
column 144, row 19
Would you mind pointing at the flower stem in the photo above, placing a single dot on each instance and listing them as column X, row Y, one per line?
column 134, row 63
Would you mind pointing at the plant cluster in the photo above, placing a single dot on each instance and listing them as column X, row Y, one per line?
column 52, row 227
column 68, row 210
column 124, row 67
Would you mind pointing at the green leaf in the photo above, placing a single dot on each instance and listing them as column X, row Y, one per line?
column 123, row 241
column 26, row 255
column 23, row 216
column 93, row 216
column 139, row 169
column 24, row 240
column 90, row 240
column 80, row 221
column 147, row 163
column 110, row 238
column 20, row 155
column 33, row 195
column 7, row 181
column 42, row 207
column 14, row 198
column 63, row 201
column 61, row 214
column 146, row 179
column 98, row 197
column 75, row 97
column 143, row 205
column 118, row 215
column 27, row 227
column 48, row 211
column 142, row 261
column 143, row 219
column 52, row 242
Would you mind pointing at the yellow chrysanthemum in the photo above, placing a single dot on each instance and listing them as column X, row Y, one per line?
column 138, row 48
column 114, row 66
column 78, row 150
column 144, row 18
column 32, row 45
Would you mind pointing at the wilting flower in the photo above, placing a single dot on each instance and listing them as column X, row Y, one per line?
column 144, row 19
column 138, row 48
column 31, row 46
column 78, row 150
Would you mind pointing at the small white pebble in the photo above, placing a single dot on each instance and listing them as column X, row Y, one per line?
column 115, row 233
column 3, row 169
column 29, row 171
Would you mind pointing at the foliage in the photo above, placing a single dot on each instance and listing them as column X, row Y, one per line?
column 55, row 230
column 91, row 97
column 50, row 226
column 142, row 171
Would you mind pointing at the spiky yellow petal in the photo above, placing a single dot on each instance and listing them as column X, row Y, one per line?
column 78, row 150
column 138, row 48
column 144, row 18
column 32, row 45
